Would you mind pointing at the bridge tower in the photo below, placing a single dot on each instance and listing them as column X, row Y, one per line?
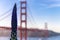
column 46, row 31
column 46, row 28
column 23, row 19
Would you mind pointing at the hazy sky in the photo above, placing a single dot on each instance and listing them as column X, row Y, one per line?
column 41, row 10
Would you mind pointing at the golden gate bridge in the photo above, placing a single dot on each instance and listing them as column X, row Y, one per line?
column 23, row 13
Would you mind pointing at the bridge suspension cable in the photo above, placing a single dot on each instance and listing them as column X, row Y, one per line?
column 7, row 14
column 30, row 21
column 30, row 14
column 5, row 17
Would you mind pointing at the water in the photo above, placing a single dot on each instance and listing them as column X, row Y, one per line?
column 34, row 38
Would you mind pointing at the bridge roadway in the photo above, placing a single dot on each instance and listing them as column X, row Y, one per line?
column 28, row 29
column 31, row 31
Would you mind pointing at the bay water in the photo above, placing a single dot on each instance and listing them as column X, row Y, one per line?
column 33, row 38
